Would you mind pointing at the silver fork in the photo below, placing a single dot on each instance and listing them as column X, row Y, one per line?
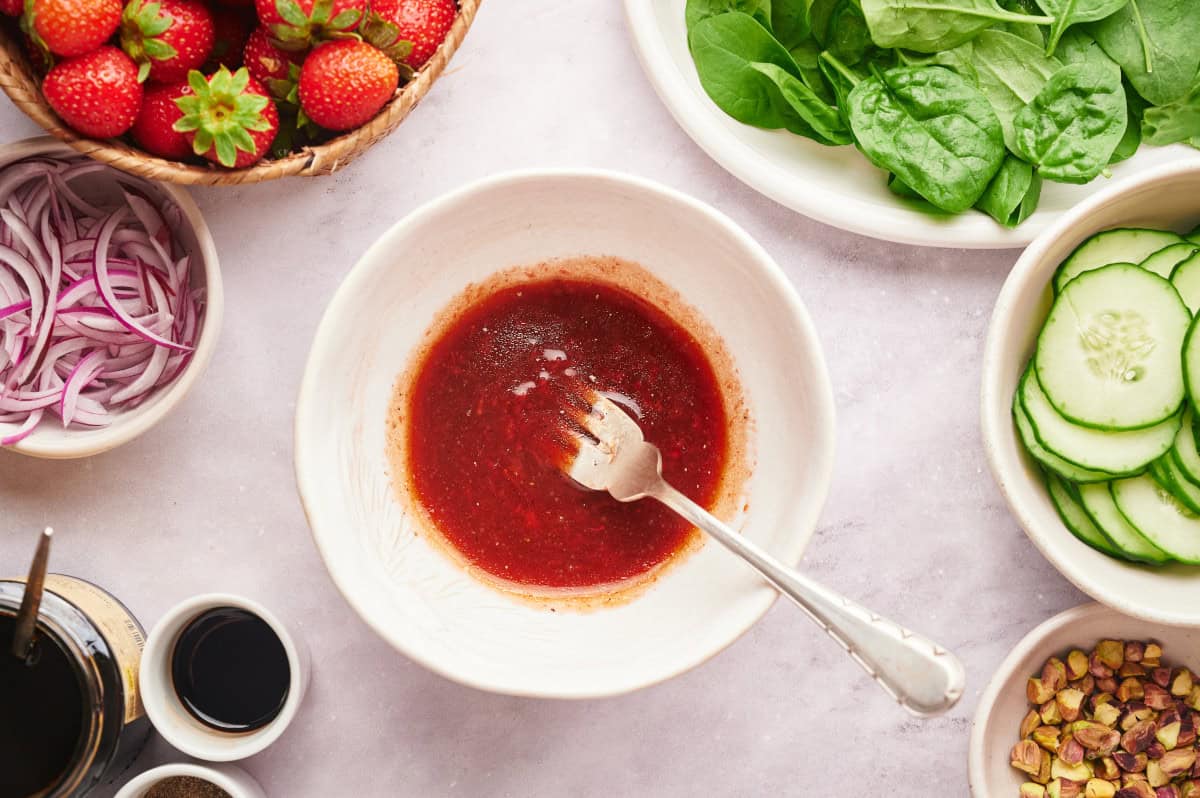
column 923, row 677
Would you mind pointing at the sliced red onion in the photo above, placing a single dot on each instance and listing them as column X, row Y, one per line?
column 97, row 312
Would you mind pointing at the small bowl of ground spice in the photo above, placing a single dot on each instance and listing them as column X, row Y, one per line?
column 185, row 780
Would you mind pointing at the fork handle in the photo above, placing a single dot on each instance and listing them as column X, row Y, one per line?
column 923, row 677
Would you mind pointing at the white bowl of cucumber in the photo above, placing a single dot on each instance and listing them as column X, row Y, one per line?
column 1087, row 411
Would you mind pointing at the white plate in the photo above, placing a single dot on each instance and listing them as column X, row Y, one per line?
column 432, row 610
column 834, row 185
column 1003, row 704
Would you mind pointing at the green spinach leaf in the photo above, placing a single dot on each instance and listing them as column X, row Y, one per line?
column 1013, row 194
column 806, row 55
column 1077, row 47
column 1011, row 72
column 1157, row 44
column 789, row 22
column 960, row 59
column 697, row 10
column 1072, row 12
column 931, row 128
column 1034, row 34
column 820, row 121
column 1130, row 142
column 1178, row 121
column 839, row 27
column 1073, row 126
column 928, row 26
column 741, row 67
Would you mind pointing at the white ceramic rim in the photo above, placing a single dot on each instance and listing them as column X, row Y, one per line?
column 875, row 220
column 1007, row 471
column 125, row 430
column 977, row 748
column 134, row 787
column 822, row 393
column 159, row 697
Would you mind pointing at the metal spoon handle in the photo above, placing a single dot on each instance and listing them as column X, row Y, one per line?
column 922, row 676
column 25, row 627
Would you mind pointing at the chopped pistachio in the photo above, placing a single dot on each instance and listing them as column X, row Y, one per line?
column 1050, row 714
column 1131, row 669
column 1032, row 721
column 1176, row 763
column 1136, row 789
column 1095, row 736
column 1189, row 789
column 1106, row 714
column 1167, row 791
column 1077, row 665
column 1106, row 768
column 1169, row 735
column 1070, row 751
column 1182, row 682
column 1156, row 697
column 1070, row 704
column 1130, row 763
column 1111, row 653
column 1097, row 668
column 1048, row 737
column 1155, row 750
column 1098, row 788
column 1131, row 690
column 1032, row 790
column 1152, row 655
column 1086, row 685
column 1054, row 674
column 1081, row 771
column 1193, row 699
column 1155, row 775
column 1037, row 691
column 1134, row 649
column 1064, row 788
column 1108, row 685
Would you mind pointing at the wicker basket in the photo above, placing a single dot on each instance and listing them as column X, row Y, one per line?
column 21, row 84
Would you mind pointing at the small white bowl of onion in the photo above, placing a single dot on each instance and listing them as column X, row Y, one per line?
column 110, row 301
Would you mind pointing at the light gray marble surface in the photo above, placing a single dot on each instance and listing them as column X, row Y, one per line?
column 914, row 525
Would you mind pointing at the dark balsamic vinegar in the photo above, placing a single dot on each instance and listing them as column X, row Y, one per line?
column 230, row 670
column 41, row 715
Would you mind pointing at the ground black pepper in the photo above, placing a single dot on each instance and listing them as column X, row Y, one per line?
column 185, row 787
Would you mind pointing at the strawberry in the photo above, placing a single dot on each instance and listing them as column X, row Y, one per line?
column 266, row 61
column 344, row 83
column 299, row 24
column 71, row 27
column 228, row 117
column 167, row 38
column 12, row 8
column 424, row 23
column 154, row 128
column 97, row 94
column 231, row 29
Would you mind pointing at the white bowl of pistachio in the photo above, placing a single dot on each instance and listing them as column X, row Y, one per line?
column 1091, row 704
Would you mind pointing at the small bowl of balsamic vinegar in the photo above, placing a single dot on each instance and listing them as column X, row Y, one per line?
column 222, row 677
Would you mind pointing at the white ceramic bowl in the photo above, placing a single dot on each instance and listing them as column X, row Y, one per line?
column 1003, row 703
column 50, row 440
column 834, row 185
column 168, row 714
column 1166, row 197
column 230, row 778
column 411, row 594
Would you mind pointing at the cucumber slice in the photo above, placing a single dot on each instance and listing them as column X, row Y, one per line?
column 1107, row 356
column 1098, row 503
column 1178, row 484
column 1164, row 261
column 1075, row 519
column 1159, row 517
column 1123, row 245
column 1191, row 363
column 1194, row 235
column 1048, row 459
column 1186, row 279
column 1125, row 452
column 1184, row 451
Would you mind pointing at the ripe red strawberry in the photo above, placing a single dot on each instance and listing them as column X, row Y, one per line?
column 167, row 38
column 228, row 117
column 11, row 8
column 425, row 23
column 343, row 84
column 231, row 29
column 154, row 128
column 299, row 24
column 97, row 94
column 72, row 27
column 266, row 61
